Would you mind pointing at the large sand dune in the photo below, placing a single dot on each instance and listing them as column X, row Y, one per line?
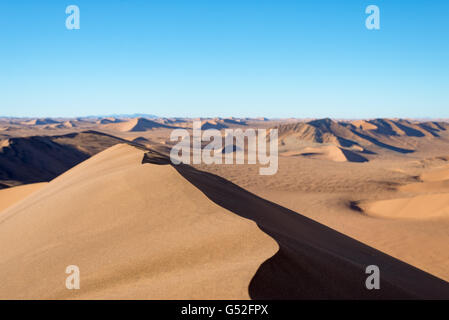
column 135, row 231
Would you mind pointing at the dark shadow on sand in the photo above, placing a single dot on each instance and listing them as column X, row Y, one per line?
column 381, row 144
column 313, row 261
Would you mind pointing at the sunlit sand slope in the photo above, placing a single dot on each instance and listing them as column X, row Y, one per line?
column 135, row 231
column 10, row 196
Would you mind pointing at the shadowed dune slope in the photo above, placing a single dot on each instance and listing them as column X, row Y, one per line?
column 361, row 135
column 135, row 231
column 42, row 158
column 314, row 261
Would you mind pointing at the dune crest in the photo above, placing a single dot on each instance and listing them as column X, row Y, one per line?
column 430, row 199
column 436, row 175
column 327, row 152
column 421, row 207
column 135, row 125
column 119, row 222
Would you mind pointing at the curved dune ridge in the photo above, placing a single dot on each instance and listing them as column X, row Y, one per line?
column 364, row 125
column 327, row 152
column 420, row 207
column 436, row 175
column 135, row 231
column 426, row 187
column 135, row 125
column 430, row 199
column 365, row 136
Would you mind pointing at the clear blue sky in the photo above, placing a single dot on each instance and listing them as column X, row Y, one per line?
column 274, row 58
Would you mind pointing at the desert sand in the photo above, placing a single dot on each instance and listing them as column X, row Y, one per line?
column 347, row 194
column 146, row 233
column 10, row 196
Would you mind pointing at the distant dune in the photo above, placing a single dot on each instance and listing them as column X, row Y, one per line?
column 430, row 199
column 109, row 120
column 327, row 152
column 42, row 158
column 357, row 139
column 136, row 125
column 420, row 207
column 436, row 175
column 36, row 122
column 213, row 124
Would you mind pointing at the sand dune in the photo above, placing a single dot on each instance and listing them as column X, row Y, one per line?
column 120, row 225
column 369, row 136
column 318, row 131
column 234, row 121
column 436, row 175
column 436, row 180
column 117, row 220
column 42, row 158
column 314, row 261
column 211, row 124
column 404, row 128
column 364, row 125
column 426, row 187
column 10, row 196
column 36, row 159
column 37, row 122
column 327, row 152
column 143, row 141
column 108, row 120
column 421, row 207
column 429, row 201
column 135, row 125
